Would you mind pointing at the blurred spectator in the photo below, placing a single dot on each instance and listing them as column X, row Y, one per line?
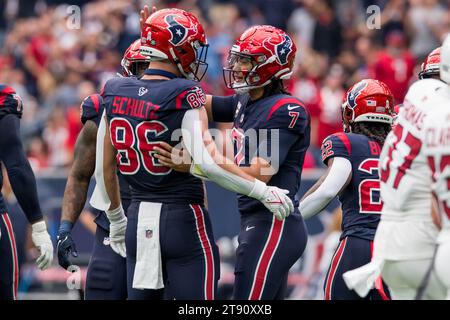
column 395, row 65
column 426, row 22
column 55, row 136
column 331, row 97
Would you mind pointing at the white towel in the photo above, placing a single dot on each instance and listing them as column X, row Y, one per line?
column 100, row 199
column 363, row 279
column 148, row 270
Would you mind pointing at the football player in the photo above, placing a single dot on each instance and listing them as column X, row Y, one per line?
column 437, row 150
column 352, row 160
column 23, row 184
column 259, row 61
column 405, row 240
column 168, row 233
column 106, row 274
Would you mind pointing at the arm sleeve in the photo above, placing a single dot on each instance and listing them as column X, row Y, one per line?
column 330, row 187
column 19, row 170
column 223, row 108
column 193, row 139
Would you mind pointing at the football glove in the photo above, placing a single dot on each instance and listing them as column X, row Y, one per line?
column 117, row 230
column 43, row 243
column 273, row 198
column 65, row 244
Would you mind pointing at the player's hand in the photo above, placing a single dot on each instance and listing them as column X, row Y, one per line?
column 176, row 159
column 65, row 246
column 144, row 14
column 117, row 228
column 274, row 199
column 43, row 243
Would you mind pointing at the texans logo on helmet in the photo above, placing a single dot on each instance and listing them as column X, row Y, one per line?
column 284, row 49
column 178, row 32
column 355, row 93
column 281, row 50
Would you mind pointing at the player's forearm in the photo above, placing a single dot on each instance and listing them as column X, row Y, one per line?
column 112, row 188
column 328, row 187
column 74, row 199
column 110, row 175
column 214, row 165
column 80, row 174
column 23, row 184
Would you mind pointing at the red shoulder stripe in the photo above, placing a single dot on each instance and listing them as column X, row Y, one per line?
column 281, row 103
column 343, row 137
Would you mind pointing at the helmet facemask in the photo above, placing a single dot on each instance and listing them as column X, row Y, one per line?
column 246, row 78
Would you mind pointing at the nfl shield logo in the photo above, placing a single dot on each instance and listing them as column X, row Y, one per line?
column 148, row 233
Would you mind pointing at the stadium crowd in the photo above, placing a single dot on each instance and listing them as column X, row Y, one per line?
column 54, row 63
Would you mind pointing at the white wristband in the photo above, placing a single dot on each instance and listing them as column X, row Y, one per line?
column 39, row 226
column 258, row 190
column 115, row 214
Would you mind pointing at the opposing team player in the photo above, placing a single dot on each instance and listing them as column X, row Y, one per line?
column 106, row 274
column 430, row 67
column 352, row 174
column 169, row 240
column 405, row 240
column 23, row 184
column 436, row 148
column 271, row 134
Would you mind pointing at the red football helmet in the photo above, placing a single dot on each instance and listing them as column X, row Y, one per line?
column 430, row 67
column 368, row 101
column 271, row 52
column 133, row 62
column 177, row 36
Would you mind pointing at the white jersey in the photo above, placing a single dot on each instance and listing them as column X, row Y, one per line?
column 406, row 230
column 436, row 147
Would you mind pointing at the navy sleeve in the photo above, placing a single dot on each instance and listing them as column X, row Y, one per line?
column 10, row 102
column 191, row 98
column 289, row 114
column 284, row 140
column 19, row 170
column 90, row 108
column 223, row 108
column 336, row 145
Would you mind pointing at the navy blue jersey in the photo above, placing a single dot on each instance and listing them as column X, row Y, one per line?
column 13, row 156
column 10, row 102
column 276, row 128
column 140, row 114
column 361, row 202
column 92, row 109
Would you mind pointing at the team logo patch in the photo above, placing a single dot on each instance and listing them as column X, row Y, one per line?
column 179, row 33
column 352, row 95
column 142, row 91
